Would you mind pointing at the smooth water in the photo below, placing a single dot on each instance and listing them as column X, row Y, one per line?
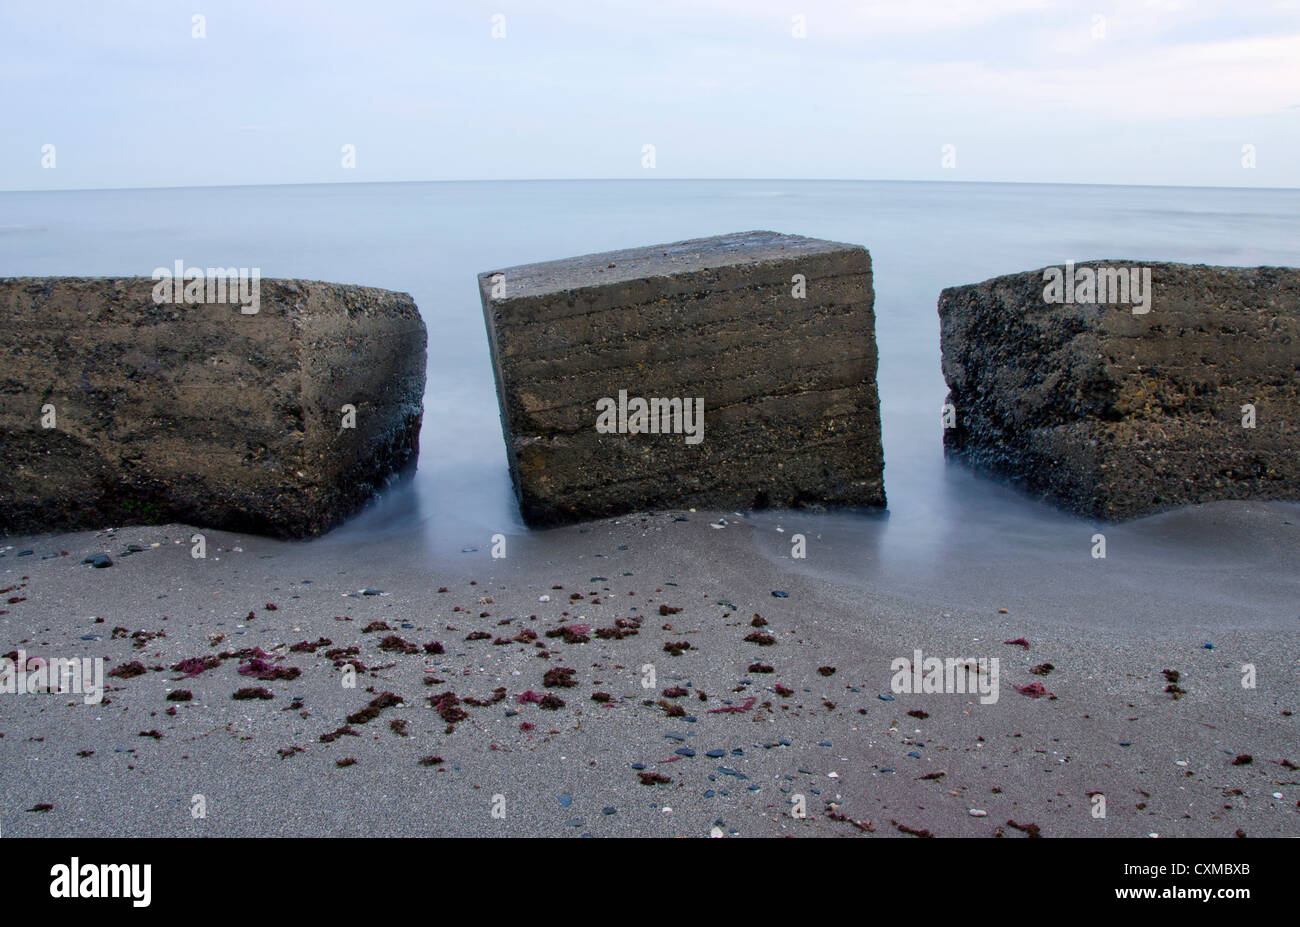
column 946, row 526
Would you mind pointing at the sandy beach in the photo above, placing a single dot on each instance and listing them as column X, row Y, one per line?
column 726, row 747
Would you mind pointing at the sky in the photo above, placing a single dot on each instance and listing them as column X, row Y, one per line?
column 144, row 93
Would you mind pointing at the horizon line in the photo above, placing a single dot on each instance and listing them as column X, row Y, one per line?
column 322, row 183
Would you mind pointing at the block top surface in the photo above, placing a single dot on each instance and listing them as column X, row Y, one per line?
column 612, row 267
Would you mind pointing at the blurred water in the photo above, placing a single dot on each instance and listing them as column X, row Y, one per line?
column 430, row 239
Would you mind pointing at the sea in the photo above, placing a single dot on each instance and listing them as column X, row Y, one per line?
column 951, row 538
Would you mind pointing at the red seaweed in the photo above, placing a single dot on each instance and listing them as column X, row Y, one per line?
column 732, row 709
column 251, row 693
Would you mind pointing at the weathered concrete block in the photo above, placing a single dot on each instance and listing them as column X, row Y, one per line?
column 115, row 409
column 773, row 334
column 1116, row 413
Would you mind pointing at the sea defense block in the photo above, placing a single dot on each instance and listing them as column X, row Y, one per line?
column 729, row 372
column 278, row 408
column 1118, row 389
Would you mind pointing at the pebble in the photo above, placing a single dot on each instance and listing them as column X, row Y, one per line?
column 685, row 751
column 778, row 594
column 99, row 561
column 608, row 810
column 565, row 800
column 728, row 771
column 885, row 698
column 716, row 753
column 978, row 813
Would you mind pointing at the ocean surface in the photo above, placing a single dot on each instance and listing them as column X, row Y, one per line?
column 951, row 537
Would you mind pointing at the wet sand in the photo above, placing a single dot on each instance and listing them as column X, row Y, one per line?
column 864, row 765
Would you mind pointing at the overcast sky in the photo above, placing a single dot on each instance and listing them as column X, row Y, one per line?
column 1137, row 92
